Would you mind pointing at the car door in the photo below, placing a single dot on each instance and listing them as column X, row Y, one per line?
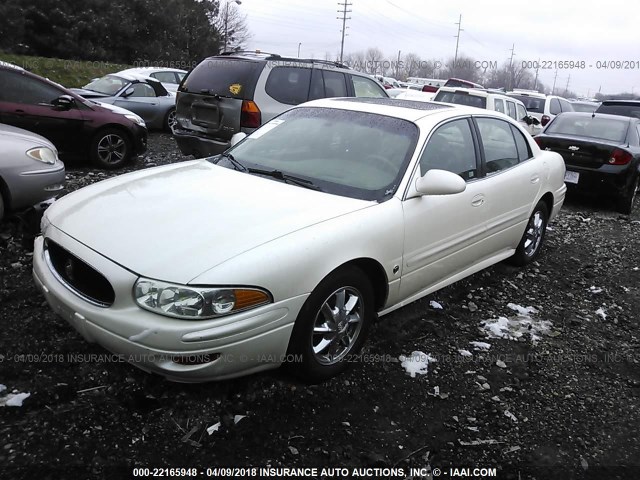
column 513, row 179
column 142, row 101
column 445, row 235
column 26, row 102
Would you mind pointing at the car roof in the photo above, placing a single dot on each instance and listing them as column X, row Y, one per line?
column 10, row 65
column 134, row 77
column 146, row 70
column 480, row 92
column 411, row 110
column 527, row 93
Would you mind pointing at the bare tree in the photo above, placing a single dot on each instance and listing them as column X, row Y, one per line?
column 410, row 65
column 232, row 25
column 374, row 60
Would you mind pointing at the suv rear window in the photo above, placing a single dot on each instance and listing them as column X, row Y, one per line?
column 620, row 109
column 227, row 77
column 460, row 98
column 532, row 104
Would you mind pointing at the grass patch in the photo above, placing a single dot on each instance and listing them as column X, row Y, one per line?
column 69, row 73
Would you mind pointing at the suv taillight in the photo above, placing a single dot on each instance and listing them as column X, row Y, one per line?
column 545, row 119
column 620, row 157
column 539, row 142
column 250, row 116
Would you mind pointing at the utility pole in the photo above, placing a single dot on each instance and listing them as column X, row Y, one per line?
column 535, row 82
column 455, row 57
column 513, row 52
column 566, row 89
column 398, row 66
column 344, row 19
column 299, row 45
column 553, row 90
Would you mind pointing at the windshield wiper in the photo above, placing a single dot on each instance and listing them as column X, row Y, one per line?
column 285, row 177
column 236, row 164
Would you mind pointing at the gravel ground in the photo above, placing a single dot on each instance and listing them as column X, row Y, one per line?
column 558, row 399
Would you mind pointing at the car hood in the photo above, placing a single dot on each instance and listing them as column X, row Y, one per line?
column 173, row 223
column 8, row 131
column 113, row 108
column 88, row 93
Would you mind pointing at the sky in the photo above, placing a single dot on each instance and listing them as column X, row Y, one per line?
column 598, row 33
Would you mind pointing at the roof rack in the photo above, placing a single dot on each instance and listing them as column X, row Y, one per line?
column 292, row 59
column 250, row 52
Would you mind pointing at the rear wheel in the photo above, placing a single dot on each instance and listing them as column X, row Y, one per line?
column 332, row 325
column 625, row 203
column 110, row 148
column 170, row 120
column 533, row 238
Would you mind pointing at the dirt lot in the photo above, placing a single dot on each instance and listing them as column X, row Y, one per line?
column 559, row 398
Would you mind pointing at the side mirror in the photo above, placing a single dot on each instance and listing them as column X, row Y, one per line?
column 128, row 92
column 63, row 102
column 438, row 182
column 237, row 137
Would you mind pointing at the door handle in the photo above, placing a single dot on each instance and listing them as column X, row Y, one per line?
column 535, row 179
column 477, row 200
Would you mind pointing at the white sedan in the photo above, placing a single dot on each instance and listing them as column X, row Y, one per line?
column 284, row 248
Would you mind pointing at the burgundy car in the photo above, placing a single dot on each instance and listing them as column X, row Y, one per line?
column 79, row 128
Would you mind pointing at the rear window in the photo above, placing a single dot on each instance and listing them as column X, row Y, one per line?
column 227, row 77
column 608, row 129
column 622, row 110
column 460, row 98
column 532, row 104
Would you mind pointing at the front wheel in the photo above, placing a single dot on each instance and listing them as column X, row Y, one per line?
column 332, row 325
column 110, row 149
column 531, row 243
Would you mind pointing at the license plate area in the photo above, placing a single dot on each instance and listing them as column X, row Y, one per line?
column 571, row 177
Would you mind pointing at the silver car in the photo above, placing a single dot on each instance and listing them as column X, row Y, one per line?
column 30, row 172
column 139, row 94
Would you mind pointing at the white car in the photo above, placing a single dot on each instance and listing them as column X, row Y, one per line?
column 284, row 248
column 543, row 107
column 169, row 77
column 491, row 100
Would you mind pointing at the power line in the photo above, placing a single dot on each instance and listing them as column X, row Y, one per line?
column 344, row 12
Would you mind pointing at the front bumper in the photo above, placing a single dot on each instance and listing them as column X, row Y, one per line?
column 232, row 346
column 140, row 135
column 32, row 188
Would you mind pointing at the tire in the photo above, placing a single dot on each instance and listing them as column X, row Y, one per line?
column 625, row 203
column 170, row 120
column 110, row 148
column 323, row 344
column 533, row 237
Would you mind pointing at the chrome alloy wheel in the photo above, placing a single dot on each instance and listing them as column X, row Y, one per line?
column 112, row 148
column 337, row 325
column 534, row 233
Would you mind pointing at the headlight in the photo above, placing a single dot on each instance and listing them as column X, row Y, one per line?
column 136, row 119
column 182, row 301
column 44, row 223
column 43, row 154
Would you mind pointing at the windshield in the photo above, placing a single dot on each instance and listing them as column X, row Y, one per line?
column 109, row 85
column 354, row 154
column 533, row 104
column 461, row 98
column 629, row 110
column 609, row 129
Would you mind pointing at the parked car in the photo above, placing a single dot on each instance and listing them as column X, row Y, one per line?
column 239, row 92
column 30, row 172
column 459, row 82
column 490, row 100
column 543, row 107
column 601, row 152
column 626, row 108
column 76, row 126
column 387, row 82
column 169, row 77
column 419, row 95
column 584, row 106
column 283, row 266
column 144, row 96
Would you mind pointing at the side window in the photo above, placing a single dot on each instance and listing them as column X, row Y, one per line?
column 524, row 151
column 289, row 85
column 143, row 90
column 500, row 151
column 335, row 84
column 554, row 107
column 166, row 77
column 365, row 87
column 512, row 110
column 451, row 148
column 566, row 106
column 522, row 112
column 18, row 88
column 317, row 85
column 499, row 105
